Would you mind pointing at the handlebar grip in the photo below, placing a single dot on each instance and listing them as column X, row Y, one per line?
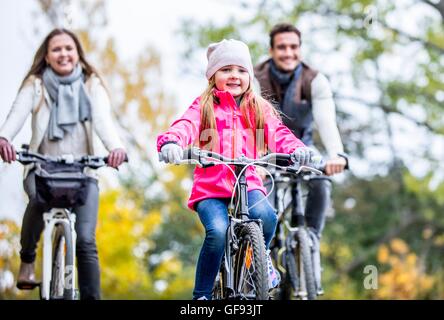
column 318, row 162
column 186, row 155
column 105, row 159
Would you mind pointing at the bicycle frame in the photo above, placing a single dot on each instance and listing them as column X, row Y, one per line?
column 285, row 242
column 283, row 239
column 51, row 218
column 236, row 218
column 60, row 216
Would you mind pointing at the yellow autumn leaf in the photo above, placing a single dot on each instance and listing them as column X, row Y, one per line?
column 399, row 246
column 383, row 254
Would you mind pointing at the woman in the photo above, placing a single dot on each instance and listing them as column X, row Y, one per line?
column 68, row 101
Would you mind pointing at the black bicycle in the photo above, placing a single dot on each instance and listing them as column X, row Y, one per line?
column 295, row 248
column 243, row 272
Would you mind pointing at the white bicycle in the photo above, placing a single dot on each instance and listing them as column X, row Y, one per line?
column 62, row 185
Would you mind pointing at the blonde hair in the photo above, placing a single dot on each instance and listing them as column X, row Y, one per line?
column 253, row 108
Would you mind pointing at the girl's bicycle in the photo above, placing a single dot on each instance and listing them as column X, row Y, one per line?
column 243, row 272
column 62, row 185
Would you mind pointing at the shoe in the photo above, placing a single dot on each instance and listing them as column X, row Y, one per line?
column 274, row 277
column 26, row 277
column 202, row 298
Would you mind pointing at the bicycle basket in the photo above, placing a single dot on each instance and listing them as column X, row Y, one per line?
column 61, row 185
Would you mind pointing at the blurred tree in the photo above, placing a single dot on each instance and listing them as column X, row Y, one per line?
column 405, row 278
column 147, row 238
column 123, row 240
column 9, row 259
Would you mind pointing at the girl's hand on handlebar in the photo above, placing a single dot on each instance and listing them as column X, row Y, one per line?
column 303, row 155
column 116, row 157
column 7, row 151
column 171, row 153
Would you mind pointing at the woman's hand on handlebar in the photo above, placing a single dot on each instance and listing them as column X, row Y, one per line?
column 116, row 157
column 7, row 151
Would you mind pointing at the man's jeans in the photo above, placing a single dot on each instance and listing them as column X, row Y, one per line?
column 318, row 203
column 213, row 214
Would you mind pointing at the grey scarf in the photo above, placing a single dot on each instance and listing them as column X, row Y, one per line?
column 70, row 102
column 287, row 81
column 297, row 116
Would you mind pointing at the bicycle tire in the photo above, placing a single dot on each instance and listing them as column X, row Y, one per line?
column 300, row 268
column 307, row 263
column 284, row 291
column 218, row 288
column 250, row 264
column 62, row 264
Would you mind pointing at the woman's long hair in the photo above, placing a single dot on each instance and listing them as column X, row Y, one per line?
column 252, row 106
column 39, row 64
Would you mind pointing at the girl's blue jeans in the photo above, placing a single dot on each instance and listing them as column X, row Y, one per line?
column 213, row 214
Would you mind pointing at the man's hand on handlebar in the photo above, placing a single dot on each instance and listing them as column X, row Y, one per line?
column 335, row 165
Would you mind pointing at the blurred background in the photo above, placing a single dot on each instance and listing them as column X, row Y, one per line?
column 385, row 62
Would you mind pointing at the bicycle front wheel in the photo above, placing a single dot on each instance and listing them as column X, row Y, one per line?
column 62, row 286
column 218, row 288
column 300, row 267
column 250, row 264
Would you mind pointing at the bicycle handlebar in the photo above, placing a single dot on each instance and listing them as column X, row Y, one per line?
column 200, row 157
column 94, row 162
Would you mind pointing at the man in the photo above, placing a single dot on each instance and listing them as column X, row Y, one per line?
column 303, row 97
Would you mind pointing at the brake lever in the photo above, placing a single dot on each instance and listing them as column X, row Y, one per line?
column 309, row 169
column 189, row 161
column 206, row 164
column 24, row 158
column 293, row 169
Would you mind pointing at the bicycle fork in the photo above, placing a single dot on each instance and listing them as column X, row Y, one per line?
column 316, row 261
column 51, row 219
column 292, row 242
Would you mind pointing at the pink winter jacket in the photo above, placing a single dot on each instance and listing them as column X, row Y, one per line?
column 235, row 139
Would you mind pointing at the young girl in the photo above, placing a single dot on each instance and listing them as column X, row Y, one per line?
column 230, row 119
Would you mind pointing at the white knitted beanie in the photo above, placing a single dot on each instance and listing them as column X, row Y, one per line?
column 228, row 52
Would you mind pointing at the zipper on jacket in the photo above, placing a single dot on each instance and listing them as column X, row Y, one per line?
column 233, row 138
column 233, row 134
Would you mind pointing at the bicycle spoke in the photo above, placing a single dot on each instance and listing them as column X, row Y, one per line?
column 246, row 284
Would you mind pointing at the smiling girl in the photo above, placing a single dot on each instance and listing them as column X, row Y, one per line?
column 228, row 118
